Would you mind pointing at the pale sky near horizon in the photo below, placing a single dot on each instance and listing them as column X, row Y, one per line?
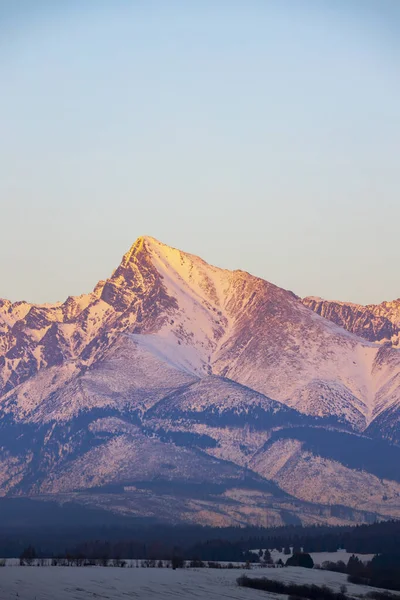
column 259, row 134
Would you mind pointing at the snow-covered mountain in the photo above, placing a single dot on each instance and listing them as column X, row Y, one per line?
column 190, row 392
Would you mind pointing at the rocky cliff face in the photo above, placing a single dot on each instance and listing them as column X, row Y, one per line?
column 33, row 337
column 173, row 374
column 374, row 322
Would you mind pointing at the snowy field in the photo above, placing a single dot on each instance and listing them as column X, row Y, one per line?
column 108, row 583
column 84, row 583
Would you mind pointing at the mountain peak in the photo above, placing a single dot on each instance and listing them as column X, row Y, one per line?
column 137, row 247
column 145, row 244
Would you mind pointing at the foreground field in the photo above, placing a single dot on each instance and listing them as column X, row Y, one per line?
column 107, row 583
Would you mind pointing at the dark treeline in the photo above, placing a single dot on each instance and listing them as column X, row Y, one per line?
column 209, row 551
column 306, row 591
column 383, row 571
column 143, row 540
column 361, row 539
column 310, row 592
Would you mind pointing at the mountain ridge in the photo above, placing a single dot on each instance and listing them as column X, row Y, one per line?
column 189, row 364
column 374, row 322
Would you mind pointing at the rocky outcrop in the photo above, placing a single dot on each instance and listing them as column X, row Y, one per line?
column 376, row 323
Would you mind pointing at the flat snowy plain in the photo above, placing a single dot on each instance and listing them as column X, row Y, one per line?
column 110, row 583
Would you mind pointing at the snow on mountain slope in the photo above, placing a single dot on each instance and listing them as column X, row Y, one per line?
column 173, row 355
column 202, row 320
column 225, row 419
column 330, row 399
column 220, row 397
column 128, row 457
column 278, row 347
column 11, row 313
column 387, row 424
column 293, row 468
column 126, row 378
column 236, row 325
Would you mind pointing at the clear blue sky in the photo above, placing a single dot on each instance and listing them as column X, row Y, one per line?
column 260, row 134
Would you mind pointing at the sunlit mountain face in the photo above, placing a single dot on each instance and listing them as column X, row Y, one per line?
column 184, row 392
